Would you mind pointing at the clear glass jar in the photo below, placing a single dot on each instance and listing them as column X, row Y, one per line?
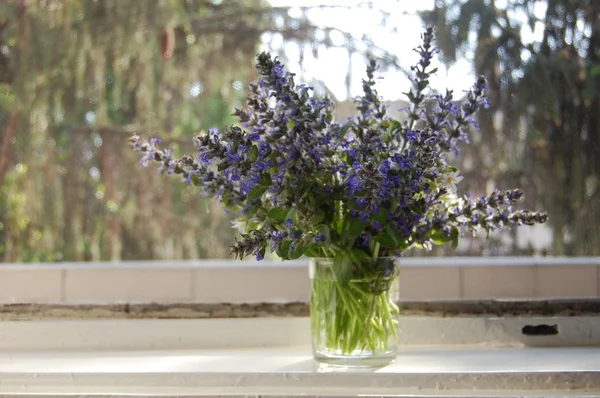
column 354, row 316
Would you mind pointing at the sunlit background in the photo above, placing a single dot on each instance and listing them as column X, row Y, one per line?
column 77, row 78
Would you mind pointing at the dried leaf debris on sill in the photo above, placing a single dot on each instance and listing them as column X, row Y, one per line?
column 507, row 308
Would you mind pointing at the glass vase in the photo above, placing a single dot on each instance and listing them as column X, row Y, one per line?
column 354, row 316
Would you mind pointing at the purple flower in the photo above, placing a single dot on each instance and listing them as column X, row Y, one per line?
column 262, row 165
column 144, row 160
column 277, row 70
column 364, row 240
column 233, row 156
column 381, row 170
column 276, row 239
column 403, row 161
column 263, row 149
column 258, row 254
column 355, row 184
column 385, row 167
column 412, row 136
column 353, row 153
column 320, row 238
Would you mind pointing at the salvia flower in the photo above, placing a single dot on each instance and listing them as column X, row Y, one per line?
column 305, row 184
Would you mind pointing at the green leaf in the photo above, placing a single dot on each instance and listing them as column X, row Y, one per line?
column 290, row 124
column 394, row 124
column 292, row 215
column 283, row 249
column 318, row 217
column 360, row 256
column 439, row 237
column 394, row 235
column 415, row 208
column 454, row 237
column 265, row 180
column 253, row 154
column 402, row 245
column 342, row 267
column 250, row 212
column 269, row 222
column 385, row 240
column 381, row 217
column 222, row 166
column 361, row 260
column 391, row 239
column 345, row 128
column 346, row 158
column 353, row 227
column 313, row 250
column 257, row 192
column 324, row 230
column 250, row 226
column 296, row 252
column 278, row 214
column 226, row 200
column 410, row 95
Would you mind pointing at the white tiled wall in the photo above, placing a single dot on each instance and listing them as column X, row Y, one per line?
column 31, row 284
column 264, row 282
column 128, row 284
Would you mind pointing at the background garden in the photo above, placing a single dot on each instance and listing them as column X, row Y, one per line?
column 78, row 77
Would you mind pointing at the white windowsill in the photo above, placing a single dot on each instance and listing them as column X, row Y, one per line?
column 291, row 371
column 271, row 357
column 227, row 333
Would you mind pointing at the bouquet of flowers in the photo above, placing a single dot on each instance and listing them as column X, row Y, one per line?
column 350, row 191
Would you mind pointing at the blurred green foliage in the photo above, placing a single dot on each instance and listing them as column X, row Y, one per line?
column 541, row 58
column 77, row 78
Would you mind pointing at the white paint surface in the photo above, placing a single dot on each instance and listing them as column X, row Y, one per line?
column 244, row 333
column 272, row 357
column 291, row 370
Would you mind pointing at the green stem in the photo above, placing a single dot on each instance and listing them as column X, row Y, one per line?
column 376, row 251
column 340, row 309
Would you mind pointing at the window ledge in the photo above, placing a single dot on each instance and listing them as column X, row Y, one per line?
column 290, row 371
column 455, row 356
column 226, row 333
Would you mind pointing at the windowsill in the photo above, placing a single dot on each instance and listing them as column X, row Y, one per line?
column 226, row 333
column 102, row 355
column 438, row 356
column 290, row 370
